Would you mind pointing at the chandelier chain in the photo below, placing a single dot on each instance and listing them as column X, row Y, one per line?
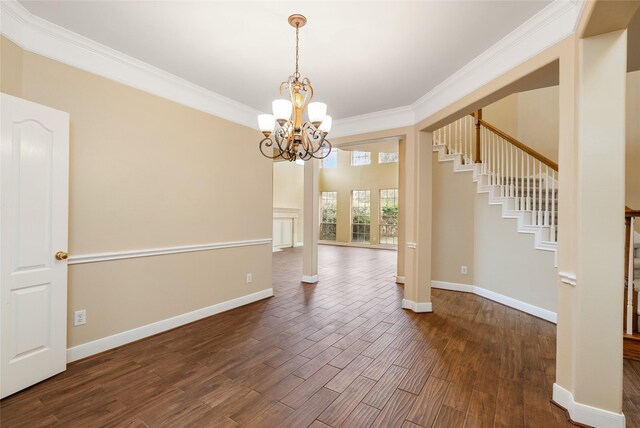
column 297, row 74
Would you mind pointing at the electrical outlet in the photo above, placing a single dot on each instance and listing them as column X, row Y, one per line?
column 80, row 317
column 249, row 278
column 463, row 270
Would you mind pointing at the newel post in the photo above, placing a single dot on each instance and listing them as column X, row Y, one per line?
column 477, row 115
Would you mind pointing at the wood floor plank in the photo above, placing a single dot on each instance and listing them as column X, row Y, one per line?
column 426, row 406
column 362, row 416
column 342, row 407
column 314, row 355
column 385, row 387
column 395, row 411
column 309, row 387
column 350, row 373
column 305, row 415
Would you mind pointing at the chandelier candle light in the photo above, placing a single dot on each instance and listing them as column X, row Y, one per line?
column 285, row 133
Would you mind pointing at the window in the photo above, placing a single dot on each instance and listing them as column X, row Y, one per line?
column 389, row 216
column 387, row 157
column 328, row 207
column 360, row 215
column 360, row 158
column 331, row 161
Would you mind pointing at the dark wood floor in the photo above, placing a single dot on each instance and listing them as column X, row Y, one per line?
column 338, row 353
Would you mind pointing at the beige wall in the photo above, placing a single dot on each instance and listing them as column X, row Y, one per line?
column 346, row 178
column 468, row 231
column 531, row 117
column 506, row 261
column 146, row 173
column 288, row 192
column 632, row 158
column 452, row 224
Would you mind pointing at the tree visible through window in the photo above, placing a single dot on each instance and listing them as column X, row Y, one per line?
column 389, row 216
column 359, row 158
column 328, row 206
column 360, row 215
column 387, row 157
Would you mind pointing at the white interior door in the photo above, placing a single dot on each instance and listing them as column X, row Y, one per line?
column 34, row 183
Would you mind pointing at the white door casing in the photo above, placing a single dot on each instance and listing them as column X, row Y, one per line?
column 34, row 187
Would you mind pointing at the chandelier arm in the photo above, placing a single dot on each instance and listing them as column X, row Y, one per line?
column 268, row 142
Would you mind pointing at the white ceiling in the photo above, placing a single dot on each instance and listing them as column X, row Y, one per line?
column 361, row 57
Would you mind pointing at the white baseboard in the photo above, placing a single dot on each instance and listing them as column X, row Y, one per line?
column 357, row 245
column 310, row 279
column 585, row 414
column 298, row 244
column 453, row 286
column 545, row 314
column 119, row 339
column 399, row 279
column 416, row 306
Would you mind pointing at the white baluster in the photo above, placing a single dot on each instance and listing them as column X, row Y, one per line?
column 546, row 196
column 515, row 191
column 630, row 313
column 539, row 193
column 533, row 201
column 553, row 206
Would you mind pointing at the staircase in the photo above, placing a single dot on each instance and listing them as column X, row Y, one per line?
column 632, row 277
column 515, row 176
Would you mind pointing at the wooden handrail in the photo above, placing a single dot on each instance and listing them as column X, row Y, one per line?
column 477, row 117
column 520, row 145
column 631, row 213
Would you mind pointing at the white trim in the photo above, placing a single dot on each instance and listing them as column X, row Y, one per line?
column 132, row 254
column 52, row 41
column 298, row 244
column 549, row 26
column 585, row 414
column 552, row 24
column 412, row 245
column 418, row 307
column 528, row 308
column 357, row 245
column 568, row 278
column 377, row 121
column 119, row 339
column 399, row 279
column 310, row 279
column 452, row 286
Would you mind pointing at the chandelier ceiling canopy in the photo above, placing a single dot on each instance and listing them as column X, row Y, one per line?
column 286, row 134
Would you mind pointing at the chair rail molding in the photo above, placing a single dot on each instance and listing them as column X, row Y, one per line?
column 42, row 37
column 150, row 252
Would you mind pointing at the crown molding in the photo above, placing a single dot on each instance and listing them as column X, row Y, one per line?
column 549, row 26
column 44, row 38
column 376, row 121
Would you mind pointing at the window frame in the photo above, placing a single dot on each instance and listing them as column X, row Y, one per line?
column 361, row 229
column 366, row 155
column 327, row 224
column 385, row 226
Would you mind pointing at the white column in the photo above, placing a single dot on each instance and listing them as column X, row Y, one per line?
column 417, row 288
column 311, row 221
column 589, row 353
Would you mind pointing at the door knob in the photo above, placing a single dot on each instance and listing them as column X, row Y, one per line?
column 61, row 255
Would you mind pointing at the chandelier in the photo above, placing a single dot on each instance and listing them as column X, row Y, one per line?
column 286, row 135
